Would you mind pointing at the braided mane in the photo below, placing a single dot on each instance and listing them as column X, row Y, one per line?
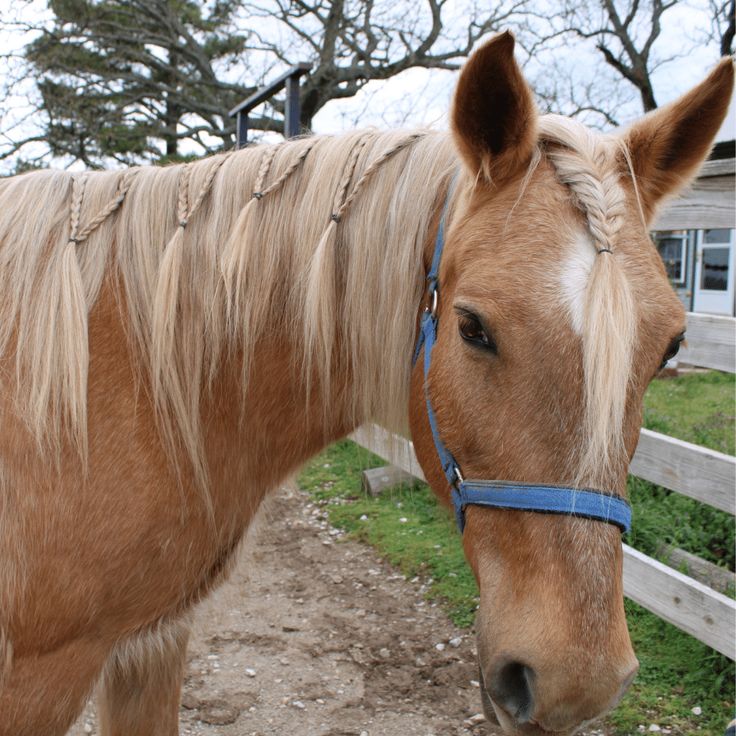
column 205, row 256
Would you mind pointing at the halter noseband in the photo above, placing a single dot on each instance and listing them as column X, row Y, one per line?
column 550, row 499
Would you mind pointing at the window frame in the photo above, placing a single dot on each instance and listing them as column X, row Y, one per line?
column 684, row 237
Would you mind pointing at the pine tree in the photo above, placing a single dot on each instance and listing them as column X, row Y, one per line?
column 129, row 79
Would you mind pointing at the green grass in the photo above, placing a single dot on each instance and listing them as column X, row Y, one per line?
column 415, row 534
column 698, row 408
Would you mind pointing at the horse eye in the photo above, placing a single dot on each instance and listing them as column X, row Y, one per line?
column 672, row 350
column 471, row 330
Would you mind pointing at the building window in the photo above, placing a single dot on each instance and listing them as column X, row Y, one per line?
column 672, row 247
column 718, row 235
column 714, row 271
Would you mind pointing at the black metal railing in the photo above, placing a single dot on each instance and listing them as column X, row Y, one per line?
column 290, row 80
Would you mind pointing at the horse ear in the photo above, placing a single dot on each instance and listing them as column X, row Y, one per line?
column 493, row 113
column 668, row 145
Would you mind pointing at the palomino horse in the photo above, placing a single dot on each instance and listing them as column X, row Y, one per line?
column 176, row 341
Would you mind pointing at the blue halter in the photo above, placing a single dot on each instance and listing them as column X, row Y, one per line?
column 550, row 499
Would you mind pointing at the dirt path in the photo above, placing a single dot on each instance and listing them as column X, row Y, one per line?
column 315, row 636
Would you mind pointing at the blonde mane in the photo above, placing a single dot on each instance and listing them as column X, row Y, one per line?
column 208, row 255
column 590, row 166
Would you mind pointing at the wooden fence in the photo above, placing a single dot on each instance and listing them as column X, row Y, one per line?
column 705, row 475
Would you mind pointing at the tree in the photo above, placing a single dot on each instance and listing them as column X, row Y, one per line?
column 132, row 80
column 354, row 42
column 623, row 33
column 724, row 24
column 120, row 79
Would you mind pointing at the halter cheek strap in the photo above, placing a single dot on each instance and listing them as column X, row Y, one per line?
column 550, row 499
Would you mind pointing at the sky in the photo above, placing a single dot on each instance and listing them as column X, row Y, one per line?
column 431, row 90
column 421, row 97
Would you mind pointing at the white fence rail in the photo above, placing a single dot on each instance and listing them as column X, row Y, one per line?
column 694, row 471
column 693, row 607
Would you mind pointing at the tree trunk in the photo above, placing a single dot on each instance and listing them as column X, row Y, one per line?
column 647, row 96
column 728, row 34
column 172, row 112
column 309, row 105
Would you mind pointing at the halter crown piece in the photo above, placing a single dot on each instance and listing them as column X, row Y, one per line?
column 549, row 499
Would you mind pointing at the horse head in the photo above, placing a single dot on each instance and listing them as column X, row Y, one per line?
column 553, row 313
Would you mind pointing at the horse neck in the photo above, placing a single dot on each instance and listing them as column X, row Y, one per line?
column 312, row 363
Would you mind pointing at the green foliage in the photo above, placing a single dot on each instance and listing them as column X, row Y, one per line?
column 129, row 79
column 414, row 533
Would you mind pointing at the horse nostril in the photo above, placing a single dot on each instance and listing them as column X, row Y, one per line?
column 512, row 687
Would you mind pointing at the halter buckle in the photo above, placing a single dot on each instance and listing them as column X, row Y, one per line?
column 458, row 475
column 435, row 302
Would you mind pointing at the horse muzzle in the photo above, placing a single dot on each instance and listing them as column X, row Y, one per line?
column 510, row 695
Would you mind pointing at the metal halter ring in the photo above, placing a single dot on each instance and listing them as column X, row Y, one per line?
column 435, row 303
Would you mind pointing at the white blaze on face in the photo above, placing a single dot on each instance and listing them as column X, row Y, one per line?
column 574, row 275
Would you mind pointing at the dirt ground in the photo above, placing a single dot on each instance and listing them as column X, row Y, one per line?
column 316, row 636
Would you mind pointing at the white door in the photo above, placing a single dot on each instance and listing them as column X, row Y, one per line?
column 713, row 290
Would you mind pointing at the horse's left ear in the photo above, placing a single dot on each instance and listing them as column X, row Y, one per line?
column 668, row 146
column 493, row 112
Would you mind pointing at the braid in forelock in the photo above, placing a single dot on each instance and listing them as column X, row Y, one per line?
column 587, row 165
column 595, row 185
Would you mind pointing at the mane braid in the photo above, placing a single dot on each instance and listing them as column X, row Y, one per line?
column 171, row 393
column 73, row 343
column 375, row 166
column 57, row 335
column 233, row 258
column 244, row 246
column 124, row 183
column 321, row 287
column 320, row 333
column 295, row 164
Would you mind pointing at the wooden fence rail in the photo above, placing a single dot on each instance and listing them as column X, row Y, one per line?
column 694, row 471
column 710, row 342
column 693, row 607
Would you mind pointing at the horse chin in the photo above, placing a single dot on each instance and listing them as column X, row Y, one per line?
column 496, row 714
